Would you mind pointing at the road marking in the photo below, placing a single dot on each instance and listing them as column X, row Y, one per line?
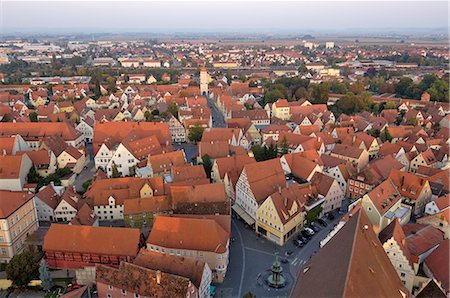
column 260, row 251
column 243, row 259
column 294, row 261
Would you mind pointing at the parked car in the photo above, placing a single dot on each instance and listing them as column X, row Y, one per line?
column 298, row 243
column 330, row 216
column 302, row 239
column 309, row 231
column 305, row 234
column 322, row 222
column 314, row 227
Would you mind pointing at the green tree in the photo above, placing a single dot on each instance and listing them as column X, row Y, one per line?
column 272, row 96
column 155, row 112
column 402, row 86
column 173, row 109
column 386, row 136
column 86, row 185
column 44, row 276
column 439, row 91
column 320, row 92
column 33, row 117
column 284, row 147
column 207, row 165
column 148, row 116
column 195, row 133
column 22, row 269
column 115, row 172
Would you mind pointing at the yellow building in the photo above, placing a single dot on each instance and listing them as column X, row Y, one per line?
column 18, row 219
column 281, row 215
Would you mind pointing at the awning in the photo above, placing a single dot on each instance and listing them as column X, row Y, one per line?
column 244, row 215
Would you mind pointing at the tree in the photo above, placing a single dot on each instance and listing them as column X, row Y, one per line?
column 86, row 185
column 249, row 295
column 155, row 112
column 284, row 147
column 195, row 133
column 320, row 92
column 148, row 116
column 115, row 172
column 33, row 117
column 44, row 276
column 207, row 165
column 402, row 86
column 386, row 136
column 22, row 269
column 173, row 109
column 272, row 96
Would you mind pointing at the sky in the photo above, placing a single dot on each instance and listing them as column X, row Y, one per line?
column 216, row 16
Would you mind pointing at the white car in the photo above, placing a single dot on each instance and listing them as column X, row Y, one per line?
column 309, row 231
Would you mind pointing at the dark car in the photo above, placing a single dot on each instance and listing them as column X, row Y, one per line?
column 330, row 216
column 302, row 239
column 284, row 261
column 305, row 234
column 315, row 228
column 322, row 222
column 298, row 243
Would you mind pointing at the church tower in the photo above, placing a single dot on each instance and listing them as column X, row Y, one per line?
column 203, row 81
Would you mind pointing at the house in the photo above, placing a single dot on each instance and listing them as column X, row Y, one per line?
column 282, row 214
column 297, row 165
column 204, row 238
column 86, row 127
column 161, row 164
column 18, row 220
column 383, row 204
column 85, row 217
column 198, row 272
column 199, row 199
column 177, row 130
column 415, row 190
column 438, row 205
column 228, row 170
column 422, row 240
column 393, row 240
column 438, row 220
column 140, row 212
column 13, row 171
column 68, row 206
column 425, row 158
column 360, row 265
column 256, row 182
column 358, row 157
column 46, row 200
column 89, row 245
column 11, row 145
column 108, row 195
column 435, row 267
column 230, row 135
column 72, row 158
column 44, row 161
column 330, row 190
column 116, row 282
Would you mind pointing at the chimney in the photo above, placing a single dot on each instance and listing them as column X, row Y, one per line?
column 285, row 202
column 158, row 277
column 402, row 181
column 279, row 189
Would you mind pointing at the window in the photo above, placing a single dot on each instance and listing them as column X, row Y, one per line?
column 402, row 274
column 136, row 295
column 3, row 251
column 124, row 292
column 110, row 287
column 108, row 295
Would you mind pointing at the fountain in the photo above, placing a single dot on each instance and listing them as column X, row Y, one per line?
column 276, row 279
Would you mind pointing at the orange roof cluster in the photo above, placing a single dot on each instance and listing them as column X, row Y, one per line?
column 40, row 130
column 117, row 131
